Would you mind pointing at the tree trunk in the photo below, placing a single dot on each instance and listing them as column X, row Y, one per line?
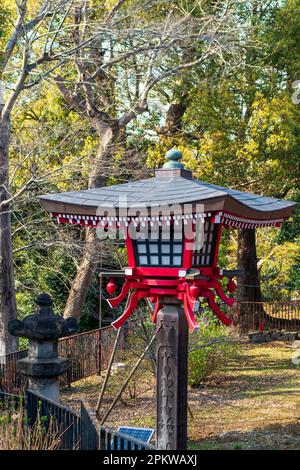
column 8, row 309
column 249, row 285
column 110, row 138
column 175, row 113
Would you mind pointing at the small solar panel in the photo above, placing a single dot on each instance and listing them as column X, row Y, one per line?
column 142, row 434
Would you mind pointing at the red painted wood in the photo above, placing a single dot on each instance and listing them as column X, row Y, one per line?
column 187, row 257
column 158, row 306
column 157, row 272
column 216, row 255
column 130, row 252
column 117, row 300
column 215, row 308
column 111, row 287
column 159, row 282
column 131, row 306
column 193, row 325
column 231, row 286
column 153, row 282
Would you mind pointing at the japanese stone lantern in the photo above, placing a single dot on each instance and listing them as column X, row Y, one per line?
column 43, row 329
column 172, row 225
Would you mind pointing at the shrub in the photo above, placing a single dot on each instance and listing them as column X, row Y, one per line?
column 210, row 350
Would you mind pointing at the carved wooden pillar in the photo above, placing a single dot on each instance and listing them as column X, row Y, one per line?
column 172, row 355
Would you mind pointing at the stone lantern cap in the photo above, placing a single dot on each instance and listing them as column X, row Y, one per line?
column 43, row 325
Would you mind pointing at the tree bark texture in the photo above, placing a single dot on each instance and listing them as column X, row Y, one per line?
column 249, row 285
column 8, row 309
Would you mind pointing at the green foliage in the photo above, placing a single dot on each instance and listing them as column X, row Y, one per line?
column 290, row 230
column 284, row 35
column 5, row 23
column 279, row 272
column 210, row 351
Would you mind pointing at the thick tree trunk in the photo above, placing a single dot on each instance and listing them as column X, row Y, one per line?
column 110, row 138
column 8, row 309
column 175, row 113
column 83, row 279
column 249, row 285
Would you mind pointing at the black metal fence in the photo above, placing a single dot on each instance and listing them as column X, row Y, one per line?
column 10, row 378
column 9, row 401
column 90, row 430
column 66, row 421
column 114, row 440
column 77, row 431
column 84, row 353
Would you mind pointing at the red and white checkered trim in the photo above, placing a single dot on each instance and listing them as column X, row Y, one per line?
column 234, row 221
column 226, row 218
column 94, row 221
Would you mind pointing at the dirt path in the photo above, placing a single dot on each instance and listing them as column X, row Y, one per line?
column 254, row 403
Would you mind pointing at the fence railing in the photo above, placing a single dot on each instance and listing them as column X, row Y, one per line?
column 67, row 421
column 77, row 431
column 10, row 378
column 9, row 401
column 88, row 353
column 90, row 429
column 114, row 440
column 84, row 353
column 266, row 315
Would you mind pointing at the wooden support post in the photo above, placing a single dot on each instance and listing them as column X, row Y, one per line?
column 172, row 367
column 99, row 351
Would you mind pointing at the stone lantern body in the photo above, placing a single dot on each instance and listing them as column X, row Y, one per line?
column 42, row 366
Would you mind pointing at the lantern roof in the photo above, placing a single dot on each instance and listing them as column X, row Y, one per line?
column 171, row 185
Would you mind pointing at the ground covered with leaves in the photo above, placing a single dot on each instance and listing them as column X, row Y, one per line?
column 252, row 403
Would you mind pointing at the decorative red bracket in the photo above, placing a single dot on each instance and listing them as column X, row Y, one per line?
column 131, row 306
column 188, row 291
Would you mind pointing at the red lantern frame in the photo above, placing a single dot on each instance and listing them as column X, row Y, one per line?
column 185, row 283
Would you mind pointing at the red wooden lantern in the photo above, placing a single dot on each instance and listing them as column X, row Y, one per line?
column 162, row 267
column 172, row 225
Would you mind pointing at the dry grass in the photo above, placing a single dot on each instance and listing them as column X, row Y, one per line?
column 16, row 435
column 253, row 403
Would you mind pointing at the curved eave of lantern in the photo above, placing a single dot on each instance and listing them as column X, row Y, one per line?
column 232, row 214
column 145, row 198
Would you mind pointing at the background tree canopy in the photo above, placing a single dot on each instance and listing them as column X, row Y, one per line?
column 117, row 83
